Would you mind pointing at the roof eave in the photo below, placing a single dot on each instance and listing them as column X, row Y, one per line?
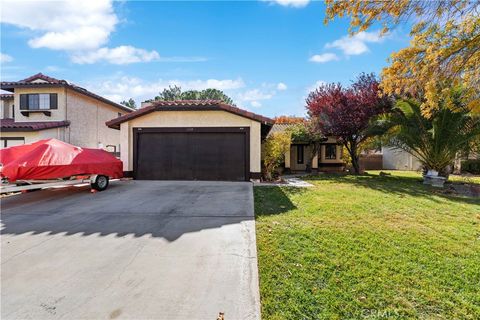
column 115, row 123
column 11, row 88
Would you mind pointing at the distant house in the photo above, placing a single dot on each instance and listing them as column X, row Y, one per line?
column 328, row 158
column 42, row 107
column 397, row 159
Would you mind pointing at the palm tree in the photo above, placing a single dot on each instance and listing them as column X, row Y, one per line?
column 436, row 140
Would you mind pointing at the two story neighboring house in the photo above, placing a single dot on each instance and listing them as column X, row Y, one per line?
column 42, row 107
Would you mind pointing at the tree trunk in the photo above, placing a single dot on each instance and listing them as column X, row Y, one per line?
column 355, row 158
column 457, row 167
column 355, row 164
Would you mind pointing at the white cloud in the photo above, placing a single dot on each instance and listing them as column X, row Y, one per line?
column 4, row 58
column 357, row 44
column 82, row 28
column 53, row 69
column 281, row 86
column 325, row 57
column 122, row 87
column 290, row 3
column 183, row 59
column 118, row 55
column 63, row 25
column 255, row 95
column 315, row 86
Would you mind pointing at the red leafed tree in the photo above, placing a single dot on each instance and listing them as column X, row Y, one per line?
column 345, row 112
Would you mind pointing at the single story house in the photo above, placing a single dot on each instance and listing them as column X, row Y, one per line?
column 191, row 140
column 42, row 107
column 327, row 159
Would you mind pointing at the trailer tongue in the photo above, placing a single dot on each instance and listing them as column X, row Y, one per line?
column 52, row 162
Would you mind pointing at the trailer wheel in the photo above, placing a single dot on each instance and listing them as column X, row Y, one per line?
column 101, row 183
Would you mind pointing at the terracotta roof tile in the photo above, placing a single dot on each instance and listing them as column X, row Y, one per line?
column 6, row 96
column 10, row 125
column 42, row 77
column 28, row 82
column 188, row 105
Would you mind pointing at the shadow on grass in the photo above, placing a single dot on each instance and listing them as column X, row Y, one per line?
column 274, row 200
column 412, row 186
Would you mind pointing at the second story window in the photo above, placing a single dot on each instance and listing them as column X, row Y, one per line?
column 38, row 101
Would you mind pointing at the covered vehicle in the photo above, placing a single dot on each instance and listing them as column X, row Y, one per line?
column 54, row 159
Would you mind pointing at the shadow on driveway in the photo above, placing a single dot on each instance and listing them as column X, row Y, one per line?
column 159, row 209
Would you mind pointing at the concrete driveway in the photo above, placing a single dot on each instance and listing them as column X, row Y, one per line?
column 139, row 250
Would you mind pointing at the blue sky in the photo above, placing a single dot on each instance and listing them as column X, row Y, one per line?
column 266, row 55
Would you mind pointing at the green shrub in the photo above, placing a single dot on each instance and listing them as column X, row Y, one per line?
column 471, row 166
column 276, row 145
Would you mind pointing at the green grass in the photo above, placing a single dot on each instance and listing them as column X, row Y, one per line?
column 367, row 247
column 417, row 175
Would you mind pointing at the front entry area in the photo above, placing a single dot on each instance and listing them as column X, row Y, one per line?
column 215, row 154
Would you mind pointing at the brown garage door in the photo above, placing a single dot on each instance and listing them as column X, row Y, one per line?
column 191, row 154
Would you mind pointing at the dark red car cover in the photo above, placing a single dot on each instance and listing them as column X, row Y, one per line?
column 52, row 158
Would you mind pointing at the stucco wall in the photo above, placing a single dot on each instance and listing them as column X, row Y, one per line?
column 190, row 119
column 6, row 108
column 87, row 118
column 57, row 133
column 338, row 158
column 56, row 114
column 294, row 165
column 87, row 122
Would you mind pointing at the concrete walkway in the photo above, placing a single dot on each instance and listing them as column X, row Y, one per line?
column 139, row 250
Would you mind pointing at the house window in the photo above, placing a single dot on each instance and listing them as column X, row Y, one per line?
column 300, row 154
column 331, row 151
column 119, row 114
column 11, row 141
column 33, row 101
column 38, row 101
column 43, row 101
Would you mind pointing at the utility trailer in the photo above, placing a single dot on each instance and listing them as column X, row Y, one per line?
column 97, row 182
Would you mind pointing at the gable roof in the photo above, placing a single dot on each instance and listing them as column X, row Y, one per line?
column 40, row 80
column 188, row 105
column 280, row 127
column 10, row 125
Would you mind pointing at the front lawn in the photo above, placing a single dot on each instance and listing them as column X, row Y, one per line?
column 367, row 247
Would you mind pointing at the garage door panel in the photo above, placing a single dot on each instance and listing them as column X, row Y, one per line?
column 191, row 156
column 219, row 156
column 154, row 158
